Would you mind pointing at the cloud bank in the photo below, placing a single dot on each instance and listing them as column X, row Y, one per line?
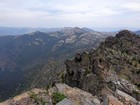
column 61, row 13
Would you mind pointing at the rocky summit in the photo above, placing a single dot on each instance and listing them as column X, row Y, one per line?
column 112, row 69
column 108, row 75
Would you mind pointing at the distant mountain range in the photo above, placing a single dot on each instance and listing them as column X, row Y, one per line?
column 24, row 57
column 137, row 32
column 23, row 30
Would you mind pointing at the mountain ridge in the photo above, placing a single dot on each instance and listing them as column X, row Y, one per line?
column 24, row 55
column 108, row 75
column 115, row 62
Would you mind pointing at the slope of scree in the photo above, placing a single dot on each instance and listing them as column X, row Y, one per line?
column 115, row 64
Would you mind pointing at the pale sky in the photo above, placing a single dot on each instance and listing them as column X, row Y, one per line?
column 70, row 13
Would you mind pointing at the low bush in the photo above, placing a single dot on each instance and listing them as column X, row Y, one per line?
column 57, row 97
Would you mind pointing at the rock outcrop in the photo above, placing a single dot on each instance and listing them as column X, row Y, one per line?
column 114, row 65
column 77, row 96
column 73, row 96
column 33, row 97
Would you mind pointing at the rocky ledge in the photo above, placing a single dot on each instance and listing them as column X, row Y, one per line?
column 62, row 94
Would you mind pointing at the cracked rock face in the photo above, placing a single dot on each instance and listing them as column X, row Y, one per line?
column 114, row 64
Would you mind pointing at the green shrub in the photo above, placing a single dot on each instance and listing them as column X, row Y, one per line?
column 1, row 100
column 57, row 97
column 43, row 102
column 33, row 96
column 62, row 76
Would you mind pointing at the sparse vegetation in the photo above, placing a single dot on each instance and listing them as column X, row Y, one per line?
column 57, row 97
column 36, row 98
column 33, row 95
column 62, row 76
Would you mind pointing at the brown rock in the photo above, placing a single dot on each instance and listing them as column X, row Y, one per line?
column 125, row 98
column 78, row 96
column 111, row 100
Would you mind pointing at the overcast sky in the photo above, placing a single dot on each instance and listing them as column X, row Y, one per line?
column 65, row 13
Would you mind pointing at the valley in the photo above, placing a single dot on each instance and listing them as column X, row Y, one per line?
column 24, row 58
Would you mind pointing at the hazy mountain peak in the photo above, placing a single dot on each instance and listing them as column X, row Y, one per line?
column 35, row 32
column 88, row 29
column 137, row 32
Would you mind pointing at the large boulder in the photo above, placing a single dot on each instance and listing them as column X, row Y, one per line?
column 65, row 102
column 111, row 100
column 77, row 96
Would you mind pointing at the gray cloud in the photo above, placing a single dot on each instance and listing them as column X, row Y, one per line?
column 60, row 13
